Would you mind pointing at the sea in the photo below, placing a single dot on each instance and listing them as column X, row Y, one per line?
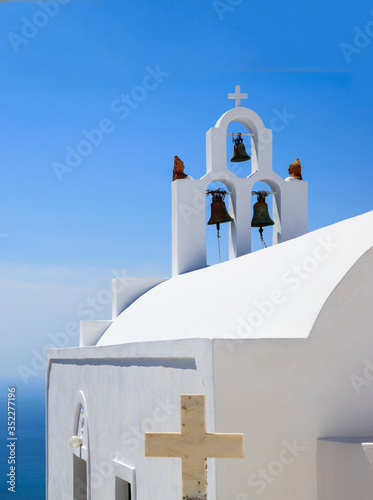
column 28, row 450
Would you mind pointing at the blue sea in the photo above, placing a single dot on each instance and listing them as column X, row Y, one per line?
column 30, row 443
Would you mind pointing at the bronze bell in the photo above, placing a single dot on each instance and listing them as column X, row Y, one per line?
column 219, row 212
column 239, row 153
column 261, row 216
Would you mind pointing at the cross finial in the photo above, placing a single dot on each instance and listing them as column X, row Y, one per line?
column 238, row 96
column 193, row 444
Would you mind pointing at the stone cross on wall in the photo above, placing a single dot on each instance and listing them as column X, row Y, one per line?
column 193, row 445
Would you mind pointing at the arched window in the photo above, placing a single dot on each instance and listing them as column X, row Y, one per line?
column 81, row 466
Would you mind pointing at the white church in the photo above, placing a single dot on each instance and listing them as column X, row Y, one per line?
column 245, row 380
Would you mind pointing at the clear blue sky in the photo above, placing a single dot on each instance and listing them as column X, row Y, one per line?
column 64, row 70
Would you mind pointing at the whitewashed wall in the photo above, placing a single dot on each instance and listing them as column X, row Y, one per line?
column 286, row 394
column 128, row 390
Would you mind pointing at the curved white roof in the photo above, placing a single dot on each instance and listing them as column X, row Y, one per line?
column 277, row 292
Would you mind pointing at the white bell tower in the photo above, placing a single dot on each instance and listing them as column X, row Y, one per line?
column 189, row 195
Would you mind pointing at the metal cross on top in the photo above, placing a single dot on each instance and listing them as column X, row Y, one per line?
column 193, row 445
column 238, row 96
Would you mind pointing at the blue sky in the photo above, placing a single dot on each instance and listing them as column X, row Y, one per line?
column 65, row 67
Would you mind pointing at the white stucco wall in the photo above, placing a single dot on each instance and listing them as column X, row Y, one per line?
column 129, row 390
column 282, row 393
column 344, row 469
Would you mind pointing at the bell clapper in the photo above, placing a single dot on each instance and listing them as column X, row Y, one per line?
column 261, row 237
column 218, row 235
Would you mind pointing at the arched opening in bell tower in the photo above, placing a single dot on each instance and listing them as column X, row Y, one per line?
column 263, row 215
column 219, row 211
column 238, row 155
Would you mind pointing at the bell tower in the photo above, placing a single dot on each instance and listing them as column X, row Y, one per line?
column 189, row 195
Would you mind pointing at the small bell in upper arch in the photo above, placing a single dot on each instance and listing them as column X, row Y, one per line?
column 239, row 153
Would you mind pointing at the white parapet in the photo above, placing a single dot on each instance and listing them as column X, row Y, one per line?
column 124, row 292
column 92, row 331
column 127, row 290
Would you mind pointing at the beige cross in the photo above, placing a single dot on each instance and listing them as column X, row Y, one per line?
column 193, row 445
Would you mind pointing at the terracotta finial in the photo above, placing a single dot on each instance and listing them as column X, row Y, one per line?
column 178, row 172
column 295, row 169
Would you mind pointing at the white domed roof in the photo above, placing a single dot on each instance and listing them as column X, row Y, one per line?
column 277, row 292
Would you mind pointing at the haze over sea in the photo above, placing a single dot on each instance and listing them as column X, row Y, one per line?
column 30, row 444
